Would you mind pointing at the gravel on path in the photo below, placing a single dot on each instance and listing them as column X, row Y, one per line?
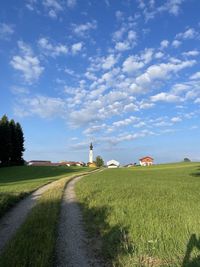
column 73, row 248
column 12, row 220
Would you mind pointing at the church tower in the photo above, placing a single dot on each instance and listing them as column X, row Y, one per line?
column 91, row 154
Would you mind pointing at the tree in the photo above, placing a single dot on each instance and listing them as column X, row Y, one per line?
column 99, row 161
column 5, row 141
column 186, row 160
column 19, row 139
column 11, row 142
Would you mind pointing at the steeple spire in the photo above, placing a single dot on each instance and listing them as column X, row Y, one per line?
column 91, row 153
column 91, row 146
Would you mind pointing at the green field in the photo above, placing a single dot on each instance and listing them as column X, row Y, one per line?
column 145, row 216
column 17, row 182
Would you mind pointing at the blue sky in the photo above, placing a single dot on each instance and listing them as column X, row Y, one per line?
column 122, row 74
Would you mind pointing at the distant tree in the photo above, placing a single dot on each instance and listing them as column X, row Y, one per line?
column 99, row 161
column 11, row 142
column 186, row 160
column 19, row 139
column 5, row 141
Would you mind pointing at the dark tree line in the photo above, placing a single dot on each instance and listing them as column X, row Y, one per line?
column 11, row 142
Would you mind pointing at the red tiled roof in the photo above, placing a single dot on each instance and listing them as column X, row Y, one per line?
column 147, row 157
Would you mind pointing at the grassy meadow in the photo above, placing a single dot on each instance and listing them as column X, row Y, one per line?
column 34, row 243
column 17, row 182
column 145, row 216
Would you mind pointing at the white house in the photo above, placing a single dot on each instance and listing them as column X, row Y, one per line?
column 113, row 164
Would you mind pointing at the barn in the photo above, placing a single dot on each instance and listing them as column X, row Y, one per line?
column 146, row 161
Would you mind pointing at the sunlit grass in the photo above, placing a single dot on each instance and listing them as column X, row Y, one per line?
column 144, row 215
column 34, row 243
column 17, row 182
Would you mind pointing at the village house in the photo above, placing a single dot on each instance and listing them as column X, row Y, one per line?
column 146, row 161
column 39, row 163
column 113, row 164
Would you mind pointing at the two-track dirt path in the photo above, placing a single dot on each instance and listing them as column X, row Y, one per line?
column 12, row 220
column 73, row 247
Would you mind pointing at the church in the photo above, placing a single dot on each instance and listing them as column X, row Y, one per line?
column 91, row 162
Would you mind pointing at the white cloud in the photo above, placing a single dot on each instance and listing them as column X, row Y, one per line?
column 94, row 129
column 71, row 3
column 53, row 7
column 109, row 62
column 162, row 71
column 125, row 122
column 172, row 6
column 83, row 29
column 188, row 34
column 150, row 10
column 164, row 44
column 54, row 4
column 119, row 14
column 159, row 55
column 195, row 76
column 176, row 43
column 77, row 47
column 122, row 46
column 18, row 90
column 132, row 35
column 192, row 53
column 27, row 63
column 165, row 97
column 176, row 119
column 6, row 30
column 44, row 107
column 50, row 49
column 131, row 64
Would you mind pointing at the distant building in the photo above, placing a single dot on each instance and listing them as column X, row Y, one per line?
column 91, row 162
column 113, row 164
column 49, row 163
column 39, row 163
column 72, row 163
column 130, row 165
column 146, row 161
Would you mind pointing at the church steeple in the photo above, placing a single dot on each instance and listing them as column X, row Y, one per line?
column 91, row 146
column 91, row 153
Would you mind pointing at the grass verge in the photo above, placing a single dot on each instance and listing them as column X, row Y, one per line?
column 17, row 182
column 145, row 216
column 34, row 243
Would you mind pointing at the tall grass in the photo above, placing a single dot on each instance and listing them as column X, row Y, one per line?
column 17, row 182
column 146, row 216
column 34, row 243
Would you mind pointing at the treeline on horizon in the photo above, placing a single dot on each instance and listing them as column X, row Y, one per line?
column 11, row 142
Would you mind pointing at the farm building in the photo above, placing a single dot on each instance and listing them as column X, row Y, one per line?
column 113, row 164
column 146, row 161
column 71, row 163
column 39, row 163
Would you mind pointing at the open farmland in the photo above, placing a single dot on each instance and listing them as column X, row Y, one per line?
column 16, row 182
column 145, row 216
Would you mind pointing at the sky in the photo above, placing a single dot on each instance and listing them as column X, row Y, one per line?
column 124, row 75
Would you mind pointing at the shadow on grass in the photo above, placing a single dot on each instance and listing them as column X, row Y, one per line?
column 114, row 240
column 8, row 200
column 197, row 173
column 193, row 243
column 21, row 173
column 34, row 243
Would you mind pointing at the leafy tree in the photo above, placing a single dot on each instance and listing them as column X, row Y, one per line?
column 11, row 142
column 5, row 141
column 99, row 161
column 19, row 139
column 186, row 160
